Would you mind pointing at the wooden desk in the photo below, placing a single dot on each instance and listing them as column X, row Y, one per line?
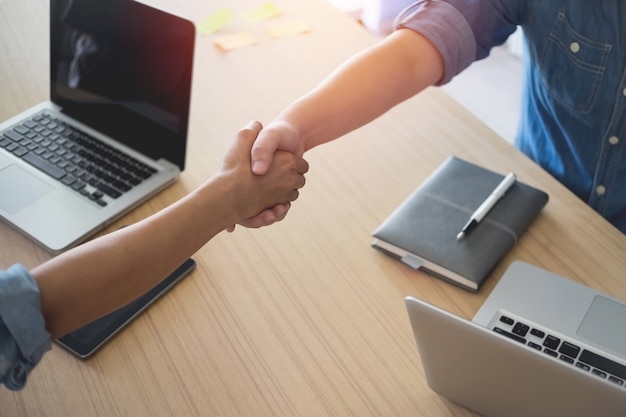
column 303, row 318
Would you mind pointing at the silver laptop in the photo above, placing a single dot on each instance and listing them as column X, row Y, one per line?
column 114, row 132
column 541, row 345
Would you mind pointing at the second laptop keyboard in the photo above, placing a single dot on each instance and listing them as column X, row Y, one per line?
column 556, row 346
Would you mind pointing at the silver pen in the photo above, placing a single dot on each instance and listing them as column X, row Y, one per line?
column 487, row 205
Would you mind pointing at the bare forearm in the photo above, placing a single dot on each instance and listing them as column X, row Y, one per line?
column 365, row 87
column 108, row 272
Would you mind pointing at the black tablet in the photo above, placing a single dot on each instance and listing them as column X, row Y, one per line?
column 86, row 340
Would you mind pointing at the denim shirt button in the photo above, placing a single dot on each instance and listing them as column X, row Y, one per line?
column 613, row 140
column 600, row 189
column 624, row 91
column 574, row 47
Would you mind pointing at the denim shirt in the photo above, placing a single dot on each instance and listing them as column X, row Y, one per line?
column 573, row 121
column 23, row 337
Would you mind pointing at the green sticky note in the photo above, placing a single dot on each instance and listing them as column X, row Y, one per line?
column 263, row 12
column 216, row 21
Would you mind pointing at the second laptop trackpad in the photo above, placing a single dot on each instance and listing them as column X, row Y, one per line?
column 605, row 325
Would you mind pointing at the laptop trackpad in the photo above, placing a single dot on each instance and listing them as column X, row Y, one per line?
column 19, row 189
column 605, row 325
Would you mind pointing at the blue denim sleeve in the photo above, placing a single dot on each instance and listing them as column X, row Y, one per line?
column 23, row 336
column 462, row 30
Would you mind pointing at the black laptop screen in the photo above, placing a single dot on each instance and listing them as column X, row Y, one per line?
column 125, row 69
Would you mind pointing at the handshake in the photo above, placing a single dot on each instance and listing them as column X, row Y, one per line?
column 263, row 176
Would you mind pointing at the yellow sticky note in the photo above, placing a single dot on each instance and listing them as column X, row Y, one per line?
column 293, row 27
column 216, row 21
column 234, row 41
column 263, row 12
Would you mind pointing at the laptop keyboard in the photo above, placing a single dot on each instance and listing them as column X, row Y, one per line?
column 78, row 160
column 556, row 346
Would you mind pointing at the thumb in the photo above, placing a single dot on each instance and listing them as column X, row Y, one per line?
column 240, row 147
column 239, row 150
column 262, row 152
column 249, row 132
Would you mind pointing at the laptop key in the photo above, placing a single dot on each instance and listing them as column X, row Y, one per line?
column 21, row 129
column 44, row 165
column 569, row 349
column 78, row 185
column 121, row 185
column 583, row 366
column 144, row 174
column 509, row 335
column 550, row 352
column 30, row 124
column 551, row 342
column 599, row 373
column 19, row 151
column 108, row 190
column 520, row 329
column 538, row 333
column 14, row 136
column 68, row 180
column 605, row 364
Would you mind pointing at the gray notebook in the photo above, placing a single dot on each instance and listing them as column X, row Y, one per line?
column 422, row 231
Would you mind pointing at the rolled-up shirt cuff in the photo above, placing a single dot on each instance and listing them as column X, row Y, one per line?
column 23, row 336
column 446, row 28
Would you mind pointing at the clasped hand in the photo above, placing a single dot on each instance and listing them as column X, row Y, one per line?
column 273, row 188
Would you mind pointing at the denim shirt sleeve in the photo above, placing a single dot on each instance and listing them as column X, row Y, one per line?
column 23, row 337
column 462, row 30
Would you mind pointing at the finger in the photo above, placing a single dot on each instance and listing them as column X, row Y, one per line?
column 280, row 217
column 302, row 166
column 293, row 195
column 301, row 183
column 267, row 216
column 254, row 125
column 264, row 218
column 280, row 210
column 239, row 149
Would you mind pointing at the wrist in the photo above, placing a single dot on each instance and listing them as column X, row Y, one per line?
column 290, row 131
column 217, row 200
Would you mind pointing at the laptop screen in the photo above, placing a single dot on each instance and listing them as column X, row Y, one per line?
column 124, row 69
